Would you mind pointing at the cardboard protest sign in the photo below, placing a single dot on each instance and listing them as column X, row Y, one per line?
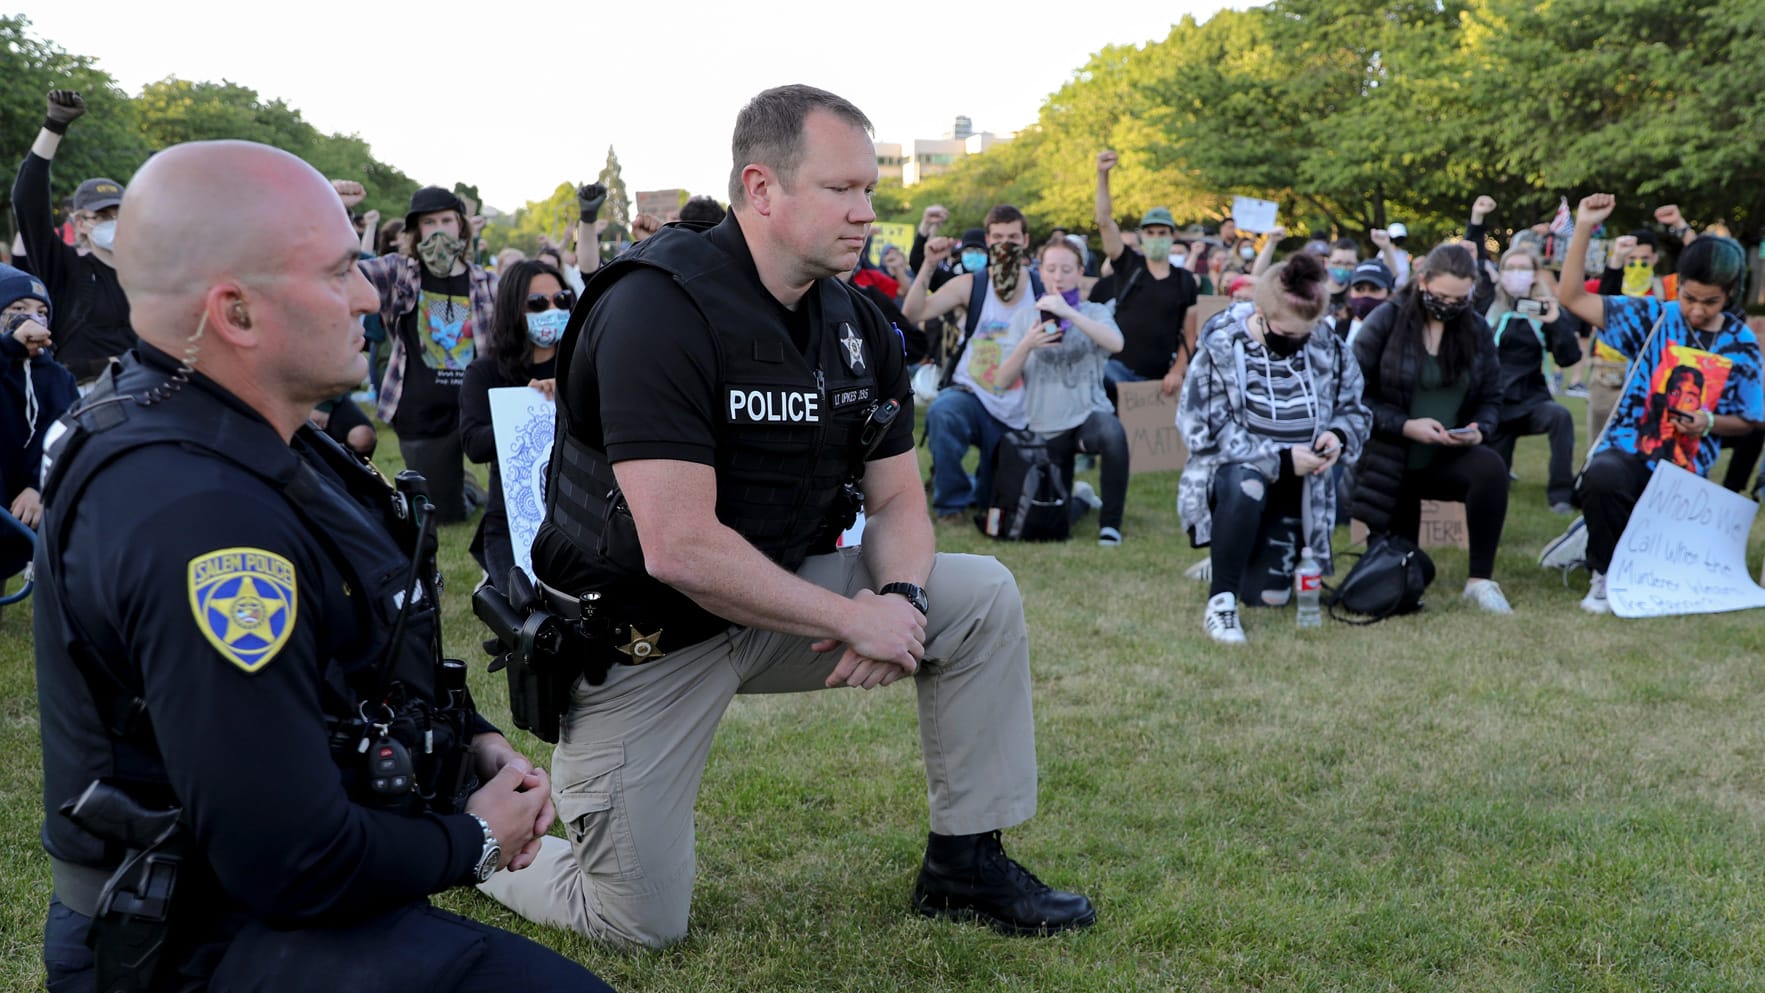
column 1443, row 526
column 523, row 421
column 898, row 235
column 1251, row 214
column 1684, row 550
column 1150, row 419
column 664, row 204
column 1207, row 306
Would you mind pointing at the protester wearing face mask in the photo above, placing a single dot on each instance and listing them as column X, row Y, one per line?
column 1152, row 292
column 435, row 304
column 975, row 407
column 1528, row 326
column 1343, row 256
column 1369, row 285
column 1432, row 377
column 532, row 307
column 92, row 321
column 1270, row 407
column 34, row 391
column 1063, row 347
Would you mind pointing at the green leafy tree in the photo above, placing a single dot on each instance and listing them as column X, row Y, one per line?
column 617, row 209
column 105, row 142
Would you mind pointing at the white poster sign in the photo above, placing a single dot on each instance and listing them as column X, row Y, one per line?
column 1684, row 550
column 523, row 420
column 1251, row 214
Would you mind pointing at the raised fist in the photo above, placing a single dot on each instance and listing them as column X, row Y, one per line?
column 349, row 191
column 937, row 250
column 589, row 199
column 1621, row 250
column 65, row 106
column 1107, row 160
column 1483, row 207
column 1381, row 237
column 1594, row 209
column 933, row 218
column 1669, row 216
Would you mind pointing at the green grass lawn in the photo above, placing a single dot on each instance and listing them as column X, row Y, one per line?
column 1447, row 801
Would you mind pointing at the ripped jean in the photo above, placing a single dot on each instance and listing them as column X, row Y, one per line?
column 1257, row 533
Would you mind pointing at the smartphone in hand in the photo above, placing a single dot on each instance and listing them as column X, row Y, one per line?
column 1052, row 323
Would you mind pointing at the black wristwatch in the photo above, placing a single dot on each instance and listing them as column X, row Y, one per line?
column 915, row 595
column 488, row 856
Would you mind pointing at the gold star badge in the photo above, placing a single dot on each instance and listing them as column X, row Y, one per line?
column 642, row 647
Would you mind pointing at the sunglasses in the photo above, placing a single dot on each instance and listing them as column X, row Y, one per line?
column 539, row 303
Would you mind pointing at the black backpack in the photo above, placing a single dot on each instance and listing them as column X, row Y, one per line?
column 1389, row 579
column 1032, row 488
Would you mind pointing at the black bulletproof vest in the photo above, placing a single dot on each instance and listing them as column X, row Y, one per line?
column 94, row 722
column 786, row 423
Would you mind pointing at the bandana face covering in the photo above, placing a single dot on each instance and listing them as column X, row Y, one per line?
column 1005, row 262
column 439, row 252
column 1639, row 278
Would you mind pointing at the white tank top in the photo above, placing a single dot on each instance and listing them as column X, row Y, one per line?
column 992, row 342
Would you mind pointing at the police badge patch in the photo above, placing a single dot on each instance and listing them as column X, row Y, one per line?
column 854, row 345
column 244, row 600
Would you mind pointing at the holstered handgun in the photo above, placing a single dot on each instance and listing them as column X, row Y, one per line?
column 529, row 647
column 133, row 922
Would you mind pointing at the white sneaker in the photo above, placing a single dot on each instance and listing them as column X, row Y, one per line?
column 1595, row 601
column 1221, row 620
column 1488, row 597
column 1109, row 537
column 1084, row 493
column 1201, row 572
column 1568, row 550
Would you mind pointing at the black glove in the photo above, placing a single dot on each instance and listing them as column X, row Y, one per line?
column 589, row 199
column 64, row 107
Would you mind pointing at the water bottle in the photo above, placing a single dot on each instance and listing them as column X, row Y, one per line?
column 1308, row 589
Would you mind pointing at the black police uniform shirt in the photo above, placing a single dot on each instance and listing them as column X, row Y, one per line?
column 654, row 362
column 1151, row 317
column 180, row 556
column 656, row 367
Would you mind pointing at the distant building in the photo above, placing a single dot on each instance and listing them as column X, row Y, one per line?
column 930, row 156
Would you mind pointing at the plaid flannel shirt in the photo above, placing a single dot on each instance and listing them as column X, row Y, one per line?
column 398, row 280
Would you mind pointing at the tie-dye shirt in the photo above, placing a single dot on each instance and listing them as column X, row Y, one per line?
column 1682, row 370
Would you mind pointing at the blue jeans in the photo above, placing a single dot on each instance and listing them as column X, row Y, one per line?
column 954, row 423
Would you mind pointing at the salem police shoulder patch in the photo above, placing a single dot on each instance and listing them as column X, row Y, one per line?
column 244, row 600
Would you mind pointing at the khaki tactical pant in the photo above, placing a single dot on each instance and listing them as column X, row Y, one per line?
column 632, row 751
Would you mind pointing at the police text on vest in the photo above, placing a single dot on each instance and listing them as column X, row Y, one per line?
column 774, row 406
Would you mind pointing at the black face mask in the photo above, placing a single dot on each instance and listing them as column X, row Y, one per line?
column 1440, row 310
column 1281, row 346
column 1361, row 306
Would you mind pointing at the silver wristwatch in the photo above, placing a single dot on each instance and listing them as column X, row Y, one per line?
column 489, row 856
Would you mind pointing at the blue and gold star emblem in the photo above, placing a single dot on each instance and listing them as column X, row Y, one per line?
column 244, row 600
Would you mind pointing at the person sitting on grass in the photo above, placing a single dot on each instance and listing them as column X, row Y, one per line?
column 1272, row 402
column 1696, row 330
column 1063, row 375
column 1432, row 377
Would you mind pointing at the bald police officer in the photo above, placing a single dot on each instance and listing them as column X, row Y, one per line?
column 697, row 499
column 256, row 767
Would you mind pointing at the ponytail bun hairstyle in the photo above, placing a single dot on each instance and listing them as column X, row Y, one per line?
column 1294, row 289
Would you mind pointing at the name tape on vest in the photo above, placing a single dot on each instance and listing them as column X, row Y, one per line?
column 773, row 406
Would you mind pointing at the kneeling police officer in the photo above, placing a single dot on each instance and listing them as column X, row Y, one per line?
column 256, row 765
column 723, row 401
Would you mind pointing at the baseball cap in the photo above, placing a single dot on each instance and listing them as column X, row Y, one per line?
column 1159, row 215
column 1398, row 230
column 973, row 238
column 16, row 284
column 98, row 194
column 1372, row 271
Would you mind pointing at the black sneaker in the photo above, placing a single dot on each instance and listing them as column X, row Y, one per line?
column 969, row 877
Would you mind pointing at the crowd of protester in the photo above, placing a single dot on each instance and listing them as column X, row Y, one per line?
column 1347, row 379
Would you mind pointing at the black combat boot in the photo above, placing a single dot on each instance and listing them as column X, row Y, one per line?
column 969, row 876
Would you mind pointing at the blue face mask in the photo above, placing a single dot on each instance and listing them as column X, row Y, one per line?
column 546, row 328
column 974, row 260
